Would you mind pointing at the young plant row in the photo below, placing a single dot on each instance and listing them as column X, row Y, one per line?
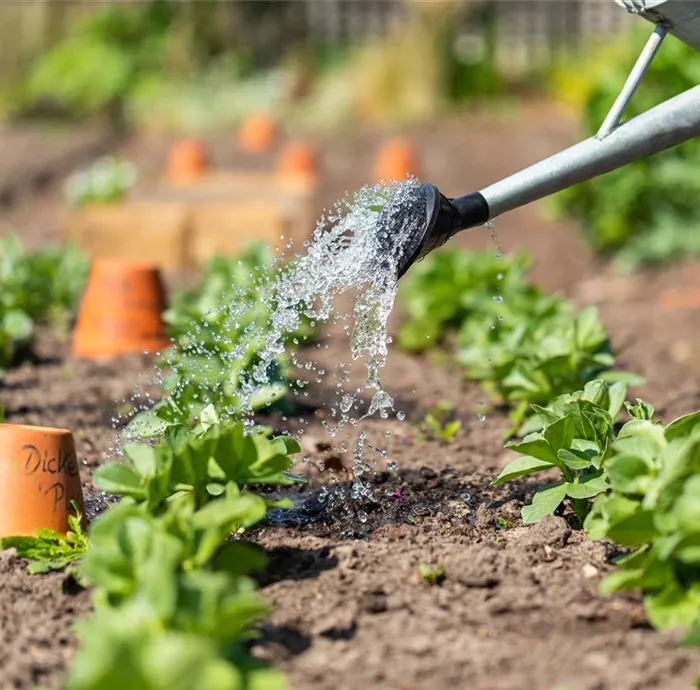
column 523, row 346
column 174, row 603
column 41, row 287
column 636, row 484
column 219, row 330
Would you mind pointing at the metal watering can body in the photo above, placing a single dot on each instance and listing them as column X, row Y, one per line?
column 615, row 145
column 679, row 17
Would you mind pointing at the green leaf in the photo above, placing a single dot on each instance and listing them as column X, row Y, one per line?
column 243, row 510
column 673, row 607
column 608, row 510
column 560, row 434
column 119, row 479
column 284, row 445
column 634, row 530
column 617, row 392
column 587, row 488
column 630, row 474
column 142, row 458
column 535, row 446
column 574, row 459
column 641, row 410
column 629, row 379
column 682, row 426
column 147, row 424
column 545, row 502
column 520, row 467
column 620, row 581
column 240, row 558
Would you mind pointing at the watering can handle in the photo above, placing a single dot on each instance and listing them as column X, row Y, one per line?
column 668, row 124
column 615, row 145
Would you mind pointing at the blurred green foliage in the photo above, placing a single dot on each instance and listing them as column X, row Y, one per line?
column 647, row 211
column 117, row 50
column 107, row 179
column 43, row 286
column 167, row 64
column 103, row 58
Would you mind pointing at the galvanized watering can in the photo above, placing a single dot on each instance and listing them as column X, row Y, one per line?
column 614, row 145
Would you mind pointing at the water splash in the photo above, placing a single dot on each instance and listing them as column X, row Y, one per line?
column 357, row 247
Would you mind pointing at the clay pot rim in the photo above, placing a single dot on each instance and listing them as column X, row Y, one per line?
column 125, row 263
column 50, row 430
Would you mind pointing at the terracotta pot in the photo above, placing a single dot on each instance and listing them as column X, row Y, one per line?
column 187, row 160
column 257, row 133
column 39, row 479
column 298, row 160
column 395, row 160
column 121, row 310
column 678, row 299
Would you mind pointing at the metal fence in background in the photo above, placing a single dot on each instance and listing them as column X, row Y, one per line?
column 527, row 32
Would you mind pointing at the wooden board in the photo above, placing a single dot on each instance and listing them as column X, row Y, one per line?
column 249, row 186
column 222, row 228
column 142, row 229
column 179, row 234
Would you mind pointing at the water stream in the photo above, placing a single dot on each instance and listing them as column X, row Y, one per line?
column 357, row 247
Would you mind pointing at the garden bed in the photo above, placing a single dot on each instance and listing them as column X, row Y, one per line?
column 517, row 608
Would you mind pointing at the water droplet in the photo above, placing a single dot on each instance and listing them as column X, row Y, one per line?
column 400, row 415
column 362, row 516
column 497, row 298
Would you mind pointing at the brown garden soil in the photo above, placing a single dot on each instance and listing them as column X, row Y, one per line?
column 516, row 609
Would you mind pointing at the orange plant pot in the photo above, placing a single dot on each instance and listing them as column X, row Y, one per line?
column 39, row 479
column 298, row 160
column 187, row 160
column 395, row 160
column 121, row 310
column 257, row 133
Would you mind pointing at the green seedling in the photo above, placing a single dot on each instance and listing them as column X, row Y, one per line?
column 538, row 356
column 432, row 575
column 49, row 550
column 524, row 347
column 170, row 572
column 653, row 507
column 39, row 287
column 437, row 422
column 172, row 583
column 575, row 441
column 219, row 329
column 208, row 462
column 502, row 523
column 125, row 410
column 445, row 433
column 105, row 181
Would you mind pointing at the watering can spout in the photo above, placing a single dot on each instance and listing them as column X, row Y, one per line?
column 665, row 126
column 614, row 146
